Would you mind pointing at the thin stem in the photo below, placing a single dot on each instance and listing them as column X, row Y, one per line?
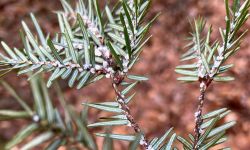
column 204, row 84
column 126, row 110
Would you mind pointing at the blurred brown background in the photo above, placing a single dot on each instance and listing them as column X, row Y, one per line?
column 162, row 102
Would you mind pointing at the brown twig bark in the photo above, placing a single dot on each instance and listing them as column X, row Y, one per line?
column 204, row 84
column 126, row 110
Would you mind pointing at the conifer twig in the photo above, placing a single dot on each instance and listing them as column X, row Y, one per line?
column 126, row 110
column 204, row 84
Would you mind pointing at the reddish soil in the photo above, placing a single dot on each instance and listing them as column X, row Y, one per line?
column 162, row 102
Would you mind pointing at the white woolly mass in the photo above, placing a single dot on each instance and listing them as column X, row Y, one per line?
column 108, row 75
column 102, row 51
column 196, row 114
column 105, row 64
column 98, row 67
column 237, row 14
column 142, row 141
column 98, row 52
column 86, row 66
column 36, row 118
column 92, row 70
column 202, row 85
column 58, row 47
column 78, row 46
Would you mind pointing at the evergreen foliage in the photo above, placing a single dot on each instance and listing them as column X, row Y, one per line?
column 95, row 43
